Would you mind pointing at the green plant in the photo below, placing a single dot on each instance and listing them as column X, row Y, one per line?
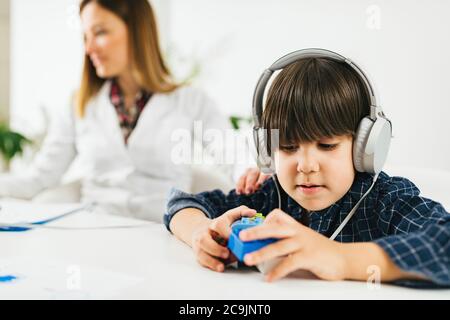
column 11, row 143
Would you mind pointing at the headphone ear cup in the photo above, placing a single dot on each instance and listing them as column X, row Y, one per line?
column 377, row 146
column 359, row 143
column 264, row 161
column 371, row 145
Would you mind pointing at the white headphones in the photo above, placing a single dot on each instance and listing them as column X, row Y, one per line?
column 373, row 136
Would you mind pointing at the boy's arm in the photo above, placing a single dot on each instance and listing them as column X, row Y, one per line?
column 185, row 222
column 214, row 203
column 417, row 234
column 365, row 260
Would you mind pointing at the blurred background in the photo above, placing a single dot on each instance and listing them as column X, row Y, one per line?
column 223, row 46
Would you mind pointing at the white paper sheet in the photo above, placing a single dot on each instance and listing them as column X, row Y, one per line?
column 57, row 279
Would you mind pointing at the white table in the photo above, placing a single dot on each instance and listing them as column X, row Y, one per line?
column 167, row 268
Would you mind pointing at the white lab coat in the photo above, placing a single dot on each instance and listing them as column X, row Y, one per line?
column 131, row 180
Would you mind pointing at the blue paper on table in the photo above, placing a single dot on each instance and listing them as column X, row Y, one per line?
column 21, row 216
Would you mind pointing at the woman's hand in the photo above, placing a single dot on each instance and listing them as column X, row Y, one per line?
column 209, row 240
column 299, row 247
column 250, row 181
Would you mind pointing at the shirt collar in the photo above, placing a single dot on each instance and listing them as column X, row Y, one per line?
column 116, row 95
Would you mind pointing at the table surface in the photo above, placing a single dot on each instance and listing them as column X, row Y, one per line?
column 167, row 269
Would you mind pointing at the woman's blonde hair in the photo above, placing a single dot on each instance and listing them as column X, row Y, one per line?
column 149, row 69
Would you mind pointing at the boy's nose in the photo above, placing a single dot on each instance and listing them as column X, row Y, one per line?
column 307, row 164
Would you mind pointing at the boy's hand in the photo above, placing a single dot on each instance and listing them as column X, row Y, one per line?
column 299, row 246
column 250, row 181
column 209, row 239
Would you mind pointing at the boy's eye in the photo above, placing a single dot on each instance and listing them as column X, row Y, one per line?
column 327, row 146
column 289, row 149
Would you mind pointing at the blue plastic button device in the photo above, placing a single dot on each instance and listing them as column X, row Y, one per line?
column 241, row 248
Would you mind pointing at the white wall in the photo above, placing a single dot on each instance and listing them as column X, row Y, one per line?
column 47, row 52
column 402, row 44
column 4, row 60
column 407, row 57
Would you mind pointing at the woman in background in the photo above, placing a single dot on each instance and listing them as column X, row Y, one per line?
column 123, row 118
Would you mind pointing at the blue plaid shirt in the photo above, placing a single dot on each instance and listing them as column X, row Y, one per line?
column 414, row 231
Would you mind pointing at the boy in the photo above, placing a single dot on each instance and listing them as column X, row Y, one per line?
column 316, row 103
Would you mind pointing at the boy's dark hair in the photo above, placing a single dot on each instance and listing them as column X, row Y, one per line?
column 315, row 98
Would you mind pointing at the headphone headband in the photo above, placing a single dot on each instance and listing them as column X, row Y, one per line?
column 303, row 54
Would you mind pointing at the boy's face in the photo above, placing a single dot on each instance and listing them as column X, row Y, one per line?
column 316, row 174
